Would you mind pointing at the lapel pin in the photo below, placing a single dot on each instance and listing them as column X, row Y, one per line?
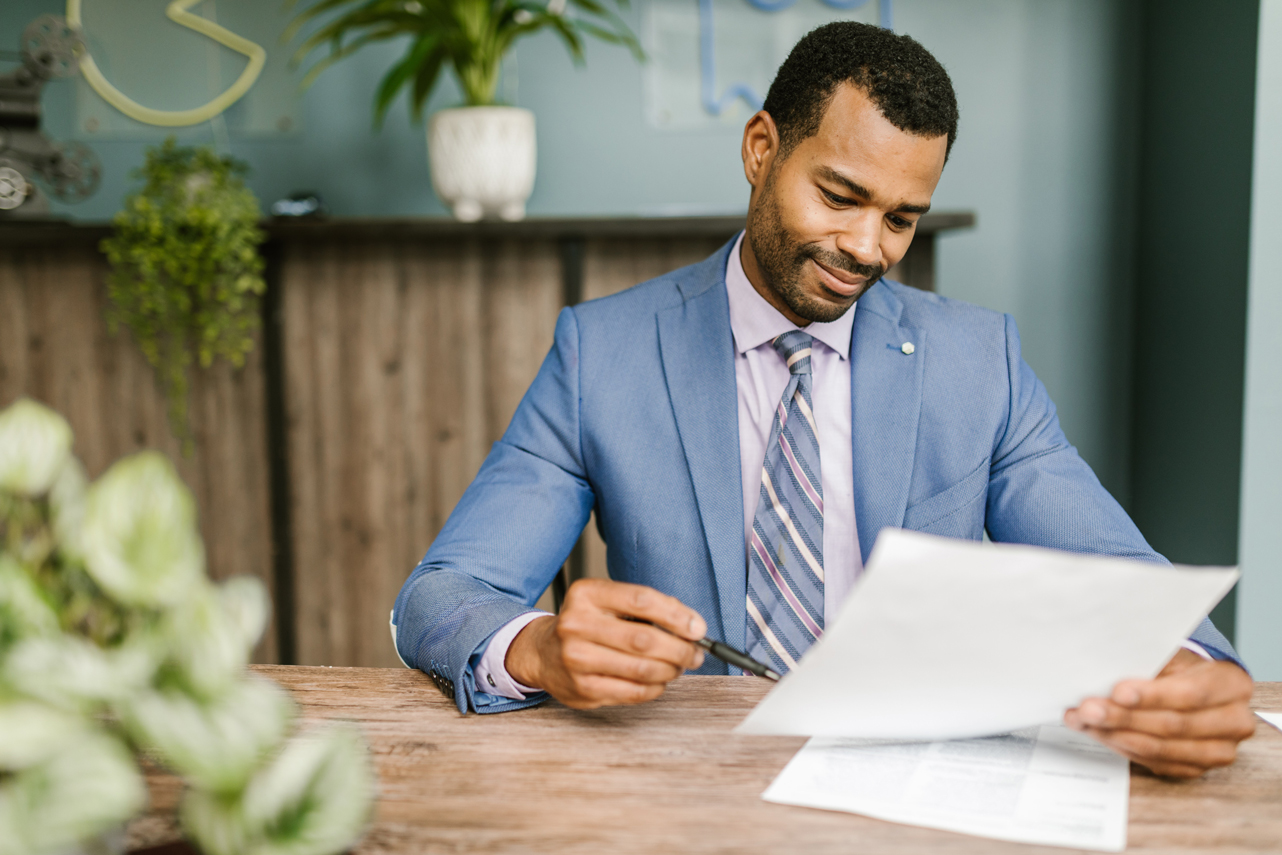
column 907, row 348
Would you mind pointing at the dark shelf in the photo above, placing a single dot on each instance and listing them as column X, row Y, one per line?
column 44, row 232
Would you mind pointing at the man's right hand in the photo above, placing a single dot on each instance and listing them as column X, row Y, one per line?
column 590, row 656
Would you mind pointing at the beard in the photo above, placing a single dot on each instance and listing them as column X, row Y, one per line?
column 782, row 259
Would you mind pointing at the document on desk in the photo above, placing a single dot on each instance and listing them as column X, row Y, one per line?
column 1273, row 718
column 1044, row 785
column 948, row 639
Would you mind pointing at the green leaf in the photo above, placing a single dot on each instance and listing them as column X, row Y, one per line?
column 471, row 35
column 346, row 51
column 334, row 32
column 400, row 74
column 573, row 43
column 424, row 81
column 625, row 39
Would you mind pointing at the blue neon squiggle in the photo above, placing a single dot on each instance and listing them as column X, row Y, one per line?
column 779, row 6
column 707, row 51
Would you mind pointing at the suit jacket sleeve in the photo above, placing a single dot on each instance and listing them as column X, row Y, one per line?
column 1042, row 492
column 506, row 538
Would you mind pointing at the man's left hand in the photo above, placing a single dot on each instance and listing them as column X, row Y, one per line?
column 1188, row 719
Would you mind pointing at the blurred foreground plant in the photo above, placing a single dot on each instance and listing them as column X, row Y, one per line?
column 114, row 643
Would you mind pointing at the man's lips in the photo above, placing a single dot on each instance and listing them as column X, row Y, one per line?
column 840, row 282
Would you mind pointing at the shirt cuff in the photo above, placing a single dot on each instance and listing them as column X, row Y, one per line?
column 1187, row 645
column 491, row 673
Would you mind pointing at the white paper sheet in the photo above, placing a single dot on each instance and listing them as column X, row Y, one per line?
column 944, row 639
column 1273, row 718
column 1044, row 785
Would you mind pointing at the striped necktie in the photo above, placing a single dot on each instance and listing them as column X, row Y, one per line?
column 785, row 551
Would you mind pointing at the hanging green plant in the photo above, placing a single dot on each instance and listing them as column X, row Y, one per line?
column 185, row 270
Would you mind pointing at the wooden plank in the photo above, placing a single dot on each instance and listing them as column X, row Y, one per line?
column 611, row 265
column 917, row 267
column 55, row 347
column 523, row 296
column 670, row 776
column 403, row 364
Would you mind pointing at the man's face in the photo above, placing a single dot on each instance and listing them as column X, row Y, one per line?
column 825, row 222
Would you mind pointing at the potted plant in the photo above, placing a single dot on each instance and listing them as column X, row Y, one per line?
column 482, row 154
column 185, row 270
column 114, row 646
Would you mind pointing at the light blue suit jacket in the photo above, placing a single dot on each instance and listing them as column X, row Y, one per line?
column 634, row 413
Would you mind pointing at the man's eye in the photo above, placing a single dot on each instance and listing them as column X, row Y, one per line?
column 899, row 222
column 837, row 200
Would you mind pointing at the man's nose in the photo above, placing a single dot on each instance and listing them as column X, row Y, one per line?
column 861, row 237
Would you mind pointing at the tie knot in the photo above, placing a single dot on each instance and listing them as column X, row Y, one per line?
column 794, row 347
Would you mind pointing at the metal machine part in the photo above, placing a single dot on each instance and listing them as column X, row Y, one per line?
column 13, row 188
column 50, row 50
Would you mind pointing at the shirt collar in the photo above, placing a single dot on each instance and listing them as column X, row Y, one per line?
column 753, row 321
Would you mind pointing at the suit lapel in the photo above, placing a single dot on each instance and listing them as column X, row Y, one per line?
column 698, row 364
column 885, row 402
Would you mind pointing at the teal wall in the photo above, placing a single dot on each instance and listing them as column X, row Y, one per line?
column 1190, row 311
column 1260, row 544
column 1046, row 140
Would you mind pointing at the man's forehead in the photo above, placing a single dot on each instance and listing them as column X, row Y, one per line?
column 856, row 142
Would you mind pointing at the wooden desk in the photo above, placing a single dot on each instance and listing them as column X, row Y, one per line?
column 670, row 777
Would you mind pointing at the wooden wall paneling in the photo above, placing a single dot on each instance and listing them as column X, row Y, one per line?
column 369, row 473
column 228, row 471
column 403, row 364
column 917, row 267
column 522, row 301
column 612, row 264
column 523, row 296
column 55, row 347
column 444, row 379
column 323, row 294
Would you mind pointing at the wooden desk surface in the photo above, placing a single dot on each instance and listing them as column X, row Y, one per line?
column 669, row 776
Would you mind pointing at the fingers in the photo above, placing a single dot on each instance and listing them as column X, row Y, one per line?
column 1176, row 758
column 590, row 659
column 592, row 656
column 1206, row 684
column 1186, row 721
column 633, row 639
column 638, row 601
column 1230, row 721
column 592, row 691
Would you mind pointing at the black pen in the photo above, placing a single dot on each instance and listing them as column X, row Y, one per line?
column 722, row 651
column 726, row 653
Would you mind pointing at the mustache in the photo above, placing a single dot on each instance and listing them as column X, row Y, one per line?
column 844, row 263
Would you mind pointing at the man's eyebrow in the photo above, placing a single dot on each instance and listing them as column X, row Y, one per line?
column 862, row 192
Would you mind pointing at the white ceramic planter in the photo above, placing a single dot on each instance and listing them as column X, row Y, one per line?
column 482, row 160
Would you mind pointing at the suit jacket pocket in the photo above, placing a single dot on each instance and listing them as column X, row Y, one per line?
column 957, row 511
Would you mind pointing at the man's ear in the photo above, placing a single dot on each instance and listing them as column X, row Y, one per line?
column 760, row 147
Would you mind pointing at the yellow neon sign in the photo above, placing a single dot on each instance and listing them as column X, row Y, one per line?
column 177, row 11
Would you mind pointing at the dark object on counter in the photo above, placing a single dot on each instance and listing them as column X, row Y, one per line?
column 300, row 205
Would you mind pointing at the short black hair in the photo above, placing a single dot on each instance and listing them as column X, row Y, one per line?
column 908, row 85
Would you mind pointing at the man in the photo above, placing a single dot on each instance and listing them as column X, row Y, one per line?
column 744, row 428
